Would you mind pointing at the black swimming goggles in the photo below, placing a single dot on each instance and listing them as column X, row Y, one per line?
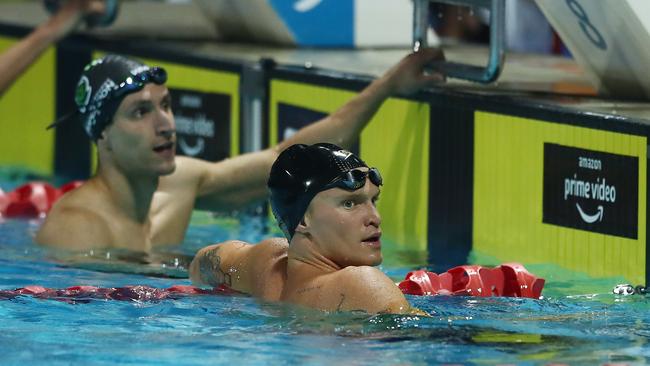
column 156, row 75
column 355, row 179
column 132, row 84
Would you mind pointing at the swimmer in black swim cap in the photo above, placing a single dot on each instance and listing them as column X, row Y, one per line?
column 324, row 199
column 301, row 171
column 143, row 195
column 104, row 83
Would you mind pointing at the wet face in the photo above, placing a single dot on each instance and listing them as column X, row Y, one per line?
column 141, row 139
column 346, row 225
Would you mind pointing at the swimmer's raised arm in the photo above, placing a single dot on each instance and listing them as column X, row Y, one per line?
column 20, row 56
column 344, row 125
column 242, row 180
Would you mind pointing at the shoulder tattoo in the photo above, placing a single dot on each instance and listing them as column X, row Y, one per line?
column 211, row 272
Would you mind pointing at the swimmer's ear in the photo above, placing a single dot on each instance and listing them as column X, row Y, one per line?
column 104, row 137
column 302, row 227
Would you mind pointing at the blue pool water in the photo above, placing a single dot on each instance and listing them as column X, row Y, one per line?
column 579, row 322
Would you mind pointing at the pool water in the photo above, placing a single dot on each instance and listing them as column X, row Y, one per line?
column 578, row 322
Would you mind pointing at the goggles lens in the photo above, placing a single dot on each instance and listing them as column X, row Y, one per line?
column 156, row 75
column 355, row 179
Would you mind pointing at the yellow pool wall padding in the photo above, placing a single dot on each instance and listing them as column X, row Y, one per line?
column 508, row 186
column 26, row 108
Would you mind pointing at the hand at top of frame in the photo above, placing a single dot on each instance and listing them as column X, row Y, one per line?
column 409, row 75
column 70, row 15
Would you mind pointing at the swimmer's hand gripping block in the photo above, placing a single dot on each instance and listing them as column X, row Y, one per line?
column 509, row 279
column 92, row 20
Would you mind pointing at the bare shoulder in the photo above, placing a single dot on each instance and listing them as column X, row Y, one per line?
column 255, row 269
column 267, row 262
column 188, row 170
column 230, row 250
column 75, row 227
column 211, row 264
column 273, row 247
column 237, row 251
column 185, row 164
column 259, row 258
column 369, row 289
column 365, row 277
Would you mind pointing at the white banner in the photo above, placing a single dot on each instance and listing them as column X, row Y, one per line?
column 609, row 38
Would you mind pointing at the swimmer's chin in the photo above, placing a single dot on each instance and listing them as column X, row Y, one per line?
column 169, row 170
column 377, row 261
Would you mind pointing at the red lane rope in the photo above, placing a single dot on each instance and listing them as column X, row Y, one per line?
column 508, row 279
column 127, row 293
column 33, row 199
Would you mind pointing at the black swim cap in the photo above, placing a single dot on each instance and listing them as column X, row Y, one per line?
column 299, row 173
column 102, row 86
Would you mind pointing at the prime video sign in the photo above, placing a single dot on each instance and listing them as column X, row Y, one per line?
column 599, row 191
column 591, row 190
column 202, row 124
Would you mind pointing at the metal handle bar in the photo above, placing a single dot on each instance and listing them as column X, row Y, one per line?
column 492, row 70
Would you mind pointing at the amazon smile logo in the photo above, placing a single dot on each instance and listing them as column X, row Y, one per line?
column 591, row 190
column 589, row 219
column 200, row 127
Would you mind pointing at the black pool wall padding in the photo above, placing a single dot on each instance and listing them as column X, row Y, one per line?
column 450, row 183
column 72, row 146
